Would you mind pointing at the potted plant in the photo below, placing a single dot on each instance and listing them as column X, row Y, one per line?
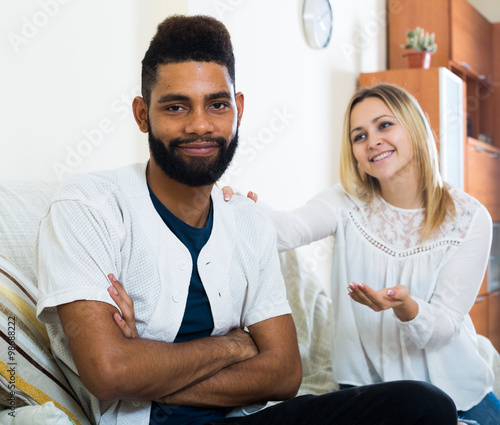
column 423, row 46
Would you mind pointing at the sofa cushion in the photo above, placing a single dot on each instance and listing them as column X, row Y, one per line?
column 311, row 311
column 23, row 204
column 46, row 414
column 29, row 375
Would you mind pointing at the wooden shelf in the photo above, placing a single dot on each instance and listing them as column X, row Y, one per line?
column 482, row 145
column 494, row 318
column 463, row 35
column 464, row 72
column 483, row 176
column 485, row 315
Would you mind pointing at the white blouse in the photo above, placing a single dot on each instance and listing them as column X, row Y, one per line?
column 377, row 244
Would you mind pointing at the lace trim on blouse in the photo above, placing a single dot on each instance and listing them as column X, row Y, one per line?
column 396, row 231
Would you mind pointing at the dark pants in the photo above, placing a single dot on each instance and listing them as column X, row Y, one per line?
column 391, row 403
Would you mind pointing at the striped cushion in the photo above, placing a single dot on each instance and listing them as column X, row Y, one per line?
column 29, row 374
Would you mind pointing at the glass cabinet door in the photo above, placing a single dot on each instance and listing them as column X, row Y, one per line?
column 451, row 123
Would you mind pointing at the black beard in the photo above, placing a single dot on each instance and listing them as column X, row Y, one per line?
column 196, row 171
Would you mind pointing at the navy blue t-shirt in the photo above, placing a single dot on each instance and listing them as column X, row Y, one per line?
column 197, row 321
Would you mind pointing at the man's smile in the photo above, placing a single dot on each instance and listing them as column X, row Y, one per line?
column 199, row 148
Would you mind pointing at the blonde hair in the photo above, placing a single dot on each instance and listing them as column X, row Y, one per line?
column 437, row 199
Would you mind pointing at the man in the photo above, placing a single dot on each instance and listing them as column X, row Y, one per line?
column 197, row 269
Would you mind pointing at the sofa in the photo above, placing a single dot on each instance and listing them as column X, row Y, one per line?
column 32, row 386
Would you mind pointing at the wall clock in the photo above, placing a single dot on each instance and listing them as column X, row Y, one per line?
column 317, row 18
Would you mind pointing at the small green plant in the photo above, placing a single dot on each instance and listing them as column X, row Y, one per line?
column 420, row 41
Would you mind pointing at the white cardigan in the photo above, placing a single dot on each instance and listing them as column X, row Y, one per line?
column 377, row 244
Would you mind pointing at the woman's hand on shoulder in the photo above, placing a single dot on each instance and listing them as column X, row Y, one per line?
column 228, row 194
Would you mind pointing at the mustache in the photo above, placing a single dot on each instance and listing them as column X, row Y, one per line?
column 179, row 141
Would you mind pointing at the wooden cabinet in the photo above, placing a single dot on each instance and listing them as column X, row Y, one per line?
column 480, row 104
column 479, row 315
column 406, row 14
column 495, row 98
column 471, row 38
column 485, row 315
column 463, row 35
column 483, row 176
column 494, row 318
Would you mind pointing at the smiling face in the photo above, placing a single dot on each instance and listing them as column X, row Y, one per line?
column 192, row 121
column 380, row 144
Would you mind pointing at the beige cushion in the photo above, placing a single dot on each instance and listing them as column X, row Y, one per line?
column 22, row 205
column 311, row 311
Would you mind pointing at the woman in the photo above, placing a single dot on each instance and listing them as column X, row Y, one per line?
column 411, row 251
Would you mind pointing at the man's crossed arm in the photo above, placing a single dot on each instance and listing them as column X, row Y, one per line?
column 235, row 369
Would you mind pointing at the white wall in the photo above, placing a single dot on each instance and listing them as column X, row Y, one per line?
column 70, row 69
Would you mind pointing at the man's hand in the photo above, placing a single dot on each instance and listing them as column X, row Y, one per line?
column 398, row 298
column 243, row 342
column 274, row 374
column 126, row 321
